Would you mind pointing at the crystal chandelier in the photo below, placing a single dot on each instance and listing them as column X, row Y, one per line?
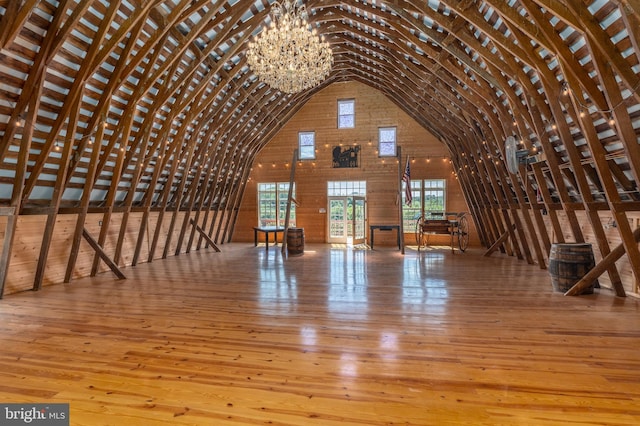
column 287, row 55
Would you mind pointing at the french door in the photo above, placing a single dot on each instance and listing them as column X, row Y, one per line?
column 347, row 220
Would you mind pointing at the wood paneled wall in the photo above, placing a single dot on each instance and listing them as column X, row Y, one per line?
column 430, row 159
column 28, row 240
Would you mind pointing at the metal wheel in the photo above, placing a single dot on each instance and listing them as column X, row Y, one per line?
column 463, row 233
column 419, row 231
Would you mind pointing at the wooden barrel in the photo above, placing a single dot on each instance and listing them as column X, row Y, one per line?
column 295, row 241
column 568, row 263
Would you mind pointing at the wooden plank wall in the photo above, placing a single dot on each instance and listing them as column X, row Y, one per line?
column 430, row 159
column 24, row 257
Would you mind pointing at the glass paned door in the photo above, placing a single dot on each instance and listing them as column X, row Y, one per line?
column 347, row 220
column 359, row 219
column 337, row 220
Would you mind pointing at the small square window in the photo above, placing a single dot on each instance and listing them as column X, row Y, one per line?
column 346, row 114
column 306, row 145
column 387, row 142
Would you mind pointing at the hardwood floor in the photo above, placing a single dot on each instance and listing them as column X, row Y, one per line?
column 334, row 337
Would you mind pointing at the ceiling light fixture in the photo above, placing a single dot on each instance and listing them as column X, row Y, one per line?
column 288, row 55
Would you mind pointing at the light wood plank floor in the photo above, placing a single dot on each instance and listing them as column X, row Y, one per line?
column 334, row 337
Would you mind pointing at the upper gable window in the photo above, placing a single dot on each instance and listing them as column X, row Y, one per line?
column 306, row 145
column 346, row 114
column 387, row 142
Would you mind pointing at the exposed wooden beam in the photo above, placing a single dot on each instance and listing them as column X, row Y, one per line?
column 600, row 268
column 498, row 243
column 205, row 236
column 100, row 252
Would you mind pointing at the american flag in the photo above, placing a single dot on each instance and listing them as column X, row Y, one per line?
column 406, row 178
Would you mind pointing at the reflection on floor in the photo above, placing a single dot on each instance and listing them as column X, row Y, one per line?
column 335, row 337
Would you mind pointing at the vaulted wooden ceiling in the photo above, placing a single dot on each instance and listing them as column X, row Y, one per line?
column 151, row 104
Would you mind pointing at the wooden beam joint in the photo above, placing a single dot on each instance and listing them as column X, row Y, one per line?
column 205, row 236
column 100, row 252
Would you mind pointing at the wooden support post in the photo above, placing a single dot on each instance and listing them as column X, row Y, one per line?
column 84, row 204
column 400, row 173
column 100, row 252
column 499, row 242
column 75, row 244
column 292, row 175
column 601, row 267
column 186, row 193
column 215, row 199
column 144, row 227
column 511, row 228
column 205, row 236
column 102, row 238
column 156, row 233
column 47, row 237
column 5, row 257
column 229, row 227
column 200, row 205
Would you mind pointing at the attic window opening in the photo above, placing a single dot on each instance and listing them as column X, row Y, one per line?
column 387, row 142
column 346, row 114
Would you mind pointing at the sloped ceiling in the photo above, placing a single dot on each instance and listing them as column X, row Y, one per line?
column 151, row 104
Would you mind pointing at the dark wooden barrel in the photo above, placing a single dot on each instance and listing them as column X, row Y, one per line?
column 568, row 262
column 295, row 241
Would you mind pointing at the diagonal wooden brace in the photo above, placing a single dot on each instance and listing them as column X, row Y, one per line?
column 100, row 252
column 600, row 268
column 499, row 242
column 205, row 236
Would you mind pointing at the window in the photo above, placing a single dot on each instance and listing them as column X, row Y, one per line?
column 346, row 114
column 434, row 196
column 272, row 204
column 410, row 213
column 387, row 142
column 345, row 188
column 306, row 145
column 429, row 198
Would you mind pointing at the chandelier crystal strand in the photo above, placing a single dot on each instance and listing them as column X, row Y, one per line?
column 288, row 55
